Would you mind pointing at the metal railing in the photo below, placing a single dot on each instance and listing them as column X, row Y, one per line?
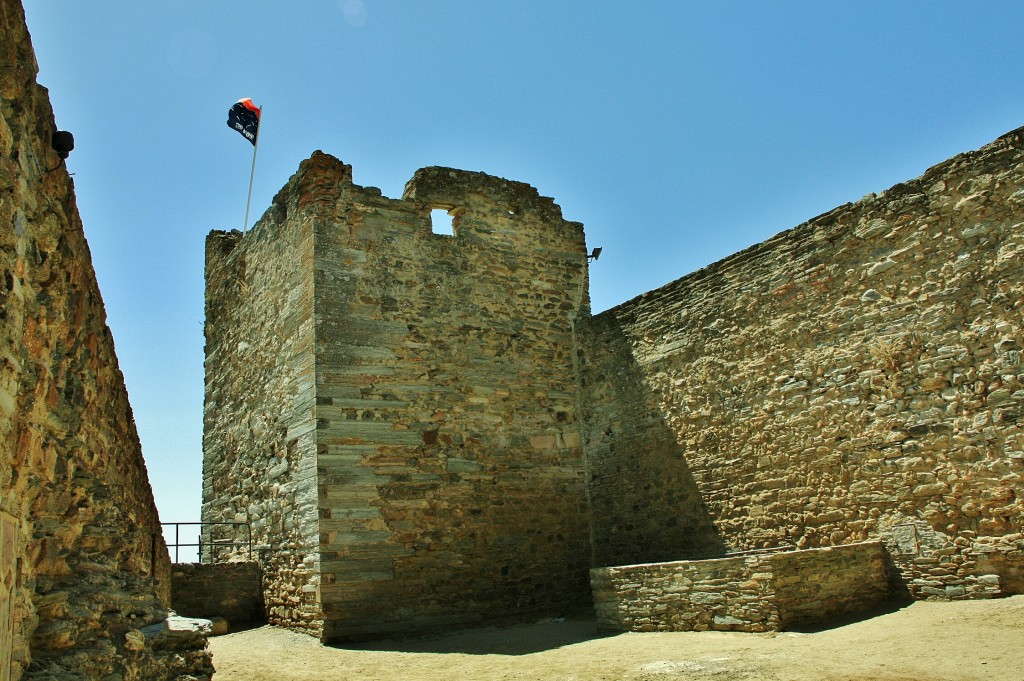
column 211, row 545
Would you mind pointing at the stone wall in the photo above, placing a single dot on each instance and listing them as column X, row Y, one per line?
column 857, row 377
column 233, row 591
column 753, row 593
column 10, row 552
column 447, row 442
column 83, row 565
column 447, row 400
column 815, row 585
column 259, row 443
column 646, row 504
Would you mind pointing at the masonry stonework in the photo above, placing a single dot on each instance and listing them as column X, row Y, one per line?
column 259, row 424
column 403, row 416
column 83, row 566
column 421, row 386
column 759, row 592
column 231, row 590
column 857, row 377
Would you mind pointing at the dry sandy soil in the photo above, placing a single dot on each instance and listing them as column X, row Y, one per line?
column 926, row 641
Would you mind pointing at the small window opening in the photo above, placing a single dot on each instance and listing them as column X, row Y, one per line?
column 441, row 222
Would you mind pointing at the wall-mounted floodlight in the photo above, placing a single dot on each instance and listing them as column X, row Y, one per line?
column 63, row 142
column 595, row 254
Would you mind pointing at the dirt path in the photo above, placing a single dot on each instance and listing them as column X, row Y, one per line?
column 927, row 641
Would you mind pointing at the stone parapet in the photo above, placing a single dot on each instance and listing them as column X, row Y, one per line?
column 751, row 593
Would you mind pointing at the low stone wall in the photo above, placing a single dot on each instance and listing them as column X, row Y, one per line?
column 229, row 590
column 813, row 585
column 753, row 592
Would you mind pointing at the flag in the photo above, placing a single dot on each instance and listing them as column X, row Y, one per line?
column 244, row 116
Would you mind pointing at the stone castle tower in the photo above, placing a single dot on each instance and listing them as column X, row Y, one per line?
column 394, row 410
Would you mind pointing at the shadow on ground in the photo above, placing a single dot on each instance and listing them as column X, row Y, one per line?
column 885, row 608
column 527, row 639
column 518, row 639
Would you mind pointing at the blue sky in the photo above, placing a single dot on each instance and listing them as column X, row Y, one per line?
column 677, row 132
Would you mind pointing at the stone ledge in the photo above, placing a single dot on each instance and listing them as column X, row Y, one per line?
column 752, row 593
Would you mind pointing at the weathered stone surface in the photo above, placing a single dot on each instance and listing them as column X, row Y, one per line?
column 395, row 411
column 220, row 626
column 232, row 591
column 402, row 415
column 259, row 318
column 82, row 559
column 177, row 630
column 753, row 593
column 857, row 377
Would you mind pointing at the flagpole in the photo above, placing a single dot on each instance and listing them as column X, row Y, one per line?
column 252, row 172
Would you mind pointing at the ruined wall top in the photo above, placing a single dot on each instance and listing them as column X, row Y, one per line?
column 449, row 188
column 808, row 237
column 323, row 183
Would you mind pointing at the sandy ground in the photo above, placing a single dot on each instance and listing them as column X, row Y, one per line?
column 926, row 641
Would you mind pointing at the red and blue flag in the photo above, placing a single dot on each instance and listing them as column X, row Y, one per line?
column 244, row 116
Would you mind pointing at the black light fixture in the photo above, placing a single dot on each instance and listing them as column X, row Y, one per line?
column 595, row 254
column 63, row 142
